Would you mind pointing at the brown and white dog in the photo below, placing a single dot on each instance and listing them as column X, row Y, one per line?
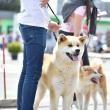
column 60, row 73
column 92, row 80
column 101, row 87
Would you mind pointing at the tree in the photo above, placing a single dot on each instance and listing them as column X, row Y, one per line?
column 10, row 5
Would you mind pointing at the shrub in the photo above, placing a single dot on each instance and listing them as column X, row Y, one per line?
column 14, row 47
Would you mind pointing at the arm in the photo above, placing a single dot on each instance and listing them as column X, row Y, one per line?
column 77, row 24
column 53, row 26
column 77, row 19
column 43, row 2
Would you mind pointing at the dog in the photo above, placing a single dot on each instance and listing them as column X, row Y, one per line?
column 60, row 72
column 89, row 86
column 101, row 88
column 88, row 76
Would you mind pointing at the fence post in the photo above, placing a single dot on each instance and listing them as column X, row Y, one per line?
column 4, row 72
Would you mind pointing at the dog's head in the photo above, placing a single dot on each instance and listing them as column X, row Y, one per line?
column 70, row 48
column 90, row 75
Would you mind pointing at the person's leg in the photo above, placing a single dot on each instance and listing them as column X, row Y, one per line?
column 85, row 57
column 21, row 81
column 22, row 77
column 35, row 41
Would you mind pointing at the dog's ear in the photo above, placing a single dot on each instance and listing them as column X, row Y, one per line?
column 62, row 38
column 82, row 39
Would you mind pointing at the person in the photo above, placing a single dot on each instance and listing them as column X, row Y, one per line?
column 10, row 37
column 73, row 12
column 33, row 23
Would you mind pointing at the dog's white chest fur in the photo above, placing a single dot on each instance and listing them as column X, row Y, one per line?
column 66, row 80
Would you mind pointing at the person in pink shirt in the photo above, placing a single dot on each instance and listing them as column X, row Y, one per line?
column 74, row 12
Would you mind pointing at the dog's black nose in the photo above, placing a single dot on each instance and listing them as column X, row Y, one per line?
column 77, row 51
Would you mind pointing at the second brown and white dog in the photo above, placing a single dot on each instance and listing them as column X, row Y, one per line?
column 92, row 81
column 60, row 73
column 101, row 88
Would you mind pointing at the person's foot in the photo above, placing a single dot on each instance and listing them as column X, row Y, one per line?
column 75, row 101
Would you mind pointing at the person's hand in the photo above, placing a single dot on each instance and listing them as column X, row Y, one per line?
column 53, row 26
column 43, row 2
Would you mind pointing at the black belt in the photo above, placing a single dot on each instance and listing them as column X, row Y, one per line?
column 68, row 33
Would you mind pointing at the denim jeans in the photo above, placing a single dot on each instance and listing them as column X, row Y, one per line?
column 34, row 45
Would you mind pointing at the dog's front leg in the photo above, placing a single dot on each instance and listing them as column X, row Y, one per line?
column 80, row 101
column 39, row 95
column 54, row 99
column 67, row 102
column 94, row 96
column 86, row 101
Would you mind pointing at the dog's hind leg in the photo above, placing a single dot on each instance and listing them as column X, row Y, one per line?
column 103, row 92
column 104, row 99
column 41, row 89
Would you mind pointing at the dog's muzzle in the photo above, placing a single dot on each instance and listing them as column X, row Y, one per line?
column 94, row 80
column 74, row 56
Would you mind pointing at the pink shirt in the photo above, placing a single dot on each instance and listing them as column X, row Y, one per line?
column 68, row 27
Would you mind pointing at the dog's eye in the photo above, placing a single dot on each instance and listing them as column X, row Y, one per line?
column 95, row 72
column 70, row 45
column 77, row 45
